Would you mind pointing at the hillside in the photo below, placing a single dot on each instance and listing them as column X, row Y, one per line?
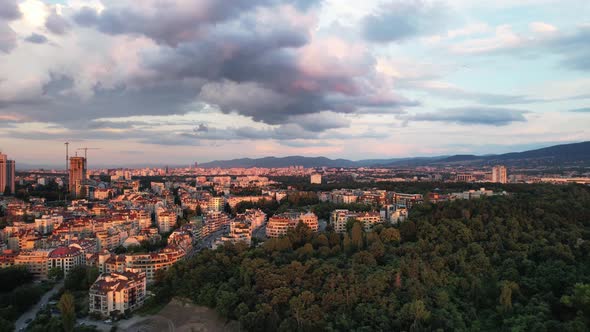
column 510, row 263
column 553, row 155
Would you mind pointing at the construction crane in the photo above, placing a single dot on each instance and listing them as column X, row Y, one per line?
column 67, row 144
column 86, row 151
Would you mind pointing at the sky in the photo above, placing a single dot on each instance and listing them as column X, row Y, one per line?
column 179, row 81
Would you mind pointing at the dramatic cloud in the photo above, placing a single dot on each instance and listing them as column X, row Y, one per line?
column 277, row 76
column 36, row 38
column 400, row 20
column 7, row 38
column 177, row 21
column 9, row 10
column 57, row 24
column 261, row 59
column 475, row 115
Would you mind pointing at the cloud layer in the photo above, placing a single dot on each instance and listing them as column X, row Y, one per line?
column 289, row 74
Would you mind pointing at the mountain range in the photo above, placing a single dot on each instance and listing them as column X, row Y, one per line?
column 564, row 154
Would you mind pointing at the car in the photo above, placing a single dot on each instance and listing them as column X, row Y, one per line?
column 108, row 321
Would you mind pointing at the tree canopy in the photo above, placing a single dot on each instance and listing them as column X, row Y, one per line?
column 519, row 262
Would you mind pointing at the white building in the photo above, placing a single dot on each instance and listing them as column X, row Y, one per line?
column 166, row 220
column 117, row 292
column 66, row 258
column 47, row 223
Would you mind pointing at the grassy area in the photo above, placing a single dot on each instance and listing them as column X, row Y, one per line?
column 150, row 307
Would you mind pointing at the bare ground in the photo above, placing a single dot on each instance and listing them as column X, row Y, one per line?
column 181, row 316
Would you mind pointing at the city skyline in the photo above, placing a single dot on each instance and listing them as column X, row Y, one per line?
column 230, row 79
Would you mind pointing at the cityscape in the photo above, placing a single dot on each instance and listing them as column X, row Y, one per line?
column 126, row 227
column 305, row 165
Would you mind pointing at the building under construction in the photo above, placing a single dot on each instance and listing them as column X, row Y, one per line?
column 77, row 183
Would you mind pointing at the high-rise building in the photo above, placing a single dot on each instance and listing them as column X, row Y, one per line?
column 7, row 177
column 499, row 174
column 77, row 177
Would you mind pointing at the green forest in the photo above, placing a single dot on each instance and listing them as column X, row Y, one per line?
column 506, row 263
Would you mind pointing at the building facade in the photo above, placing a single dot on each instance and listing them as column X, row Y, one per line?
column 278, row 225
column 7, row 175
column 77, row 177
column 340, row 218
column 117, row 292
column 499, row 174
column 65, row 258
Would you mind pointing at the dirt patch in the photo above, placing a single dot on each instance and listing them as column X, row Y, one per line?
column 182, row 316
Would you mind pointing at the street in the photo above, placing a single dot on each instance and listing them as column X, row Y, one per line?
column 31, row 313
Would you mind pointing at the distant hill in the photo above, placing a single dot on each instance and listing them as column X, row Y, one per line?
column 553, row 155
column 280, row 162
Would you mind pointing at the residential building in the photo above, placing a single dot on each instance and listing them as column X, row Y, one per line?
column 66, row 258
column 47, row 223
column 7, row 175
column 166, row 221
column 278, row 225
column 35, row 261
column 117, row 293
column 465, row 177
column 499, row 174
column 216, row 204
column 238, row 232
column 340, row 218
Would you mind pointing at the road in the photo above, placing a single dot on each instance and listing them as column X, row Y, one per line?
column 31, row 313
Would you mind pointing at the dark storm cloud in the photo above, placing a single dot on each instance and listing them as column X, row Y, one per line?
column 400, row 20
column 9, row 10
column 57, row 24
column 475, row 115
column 176, row 22
column 248, row 62
column 36, row 38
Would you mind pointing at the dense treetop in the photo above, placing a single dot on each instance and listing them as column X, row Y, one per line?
column 518, row 263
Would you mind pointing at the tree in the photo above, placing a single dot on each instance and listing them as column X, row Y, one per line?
column 507, row 287
column 227, row 208
column 579, row 300
column 55, row 273
column 67, row 307
column 390, row 235
column 357, row 236
column 416, row 313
